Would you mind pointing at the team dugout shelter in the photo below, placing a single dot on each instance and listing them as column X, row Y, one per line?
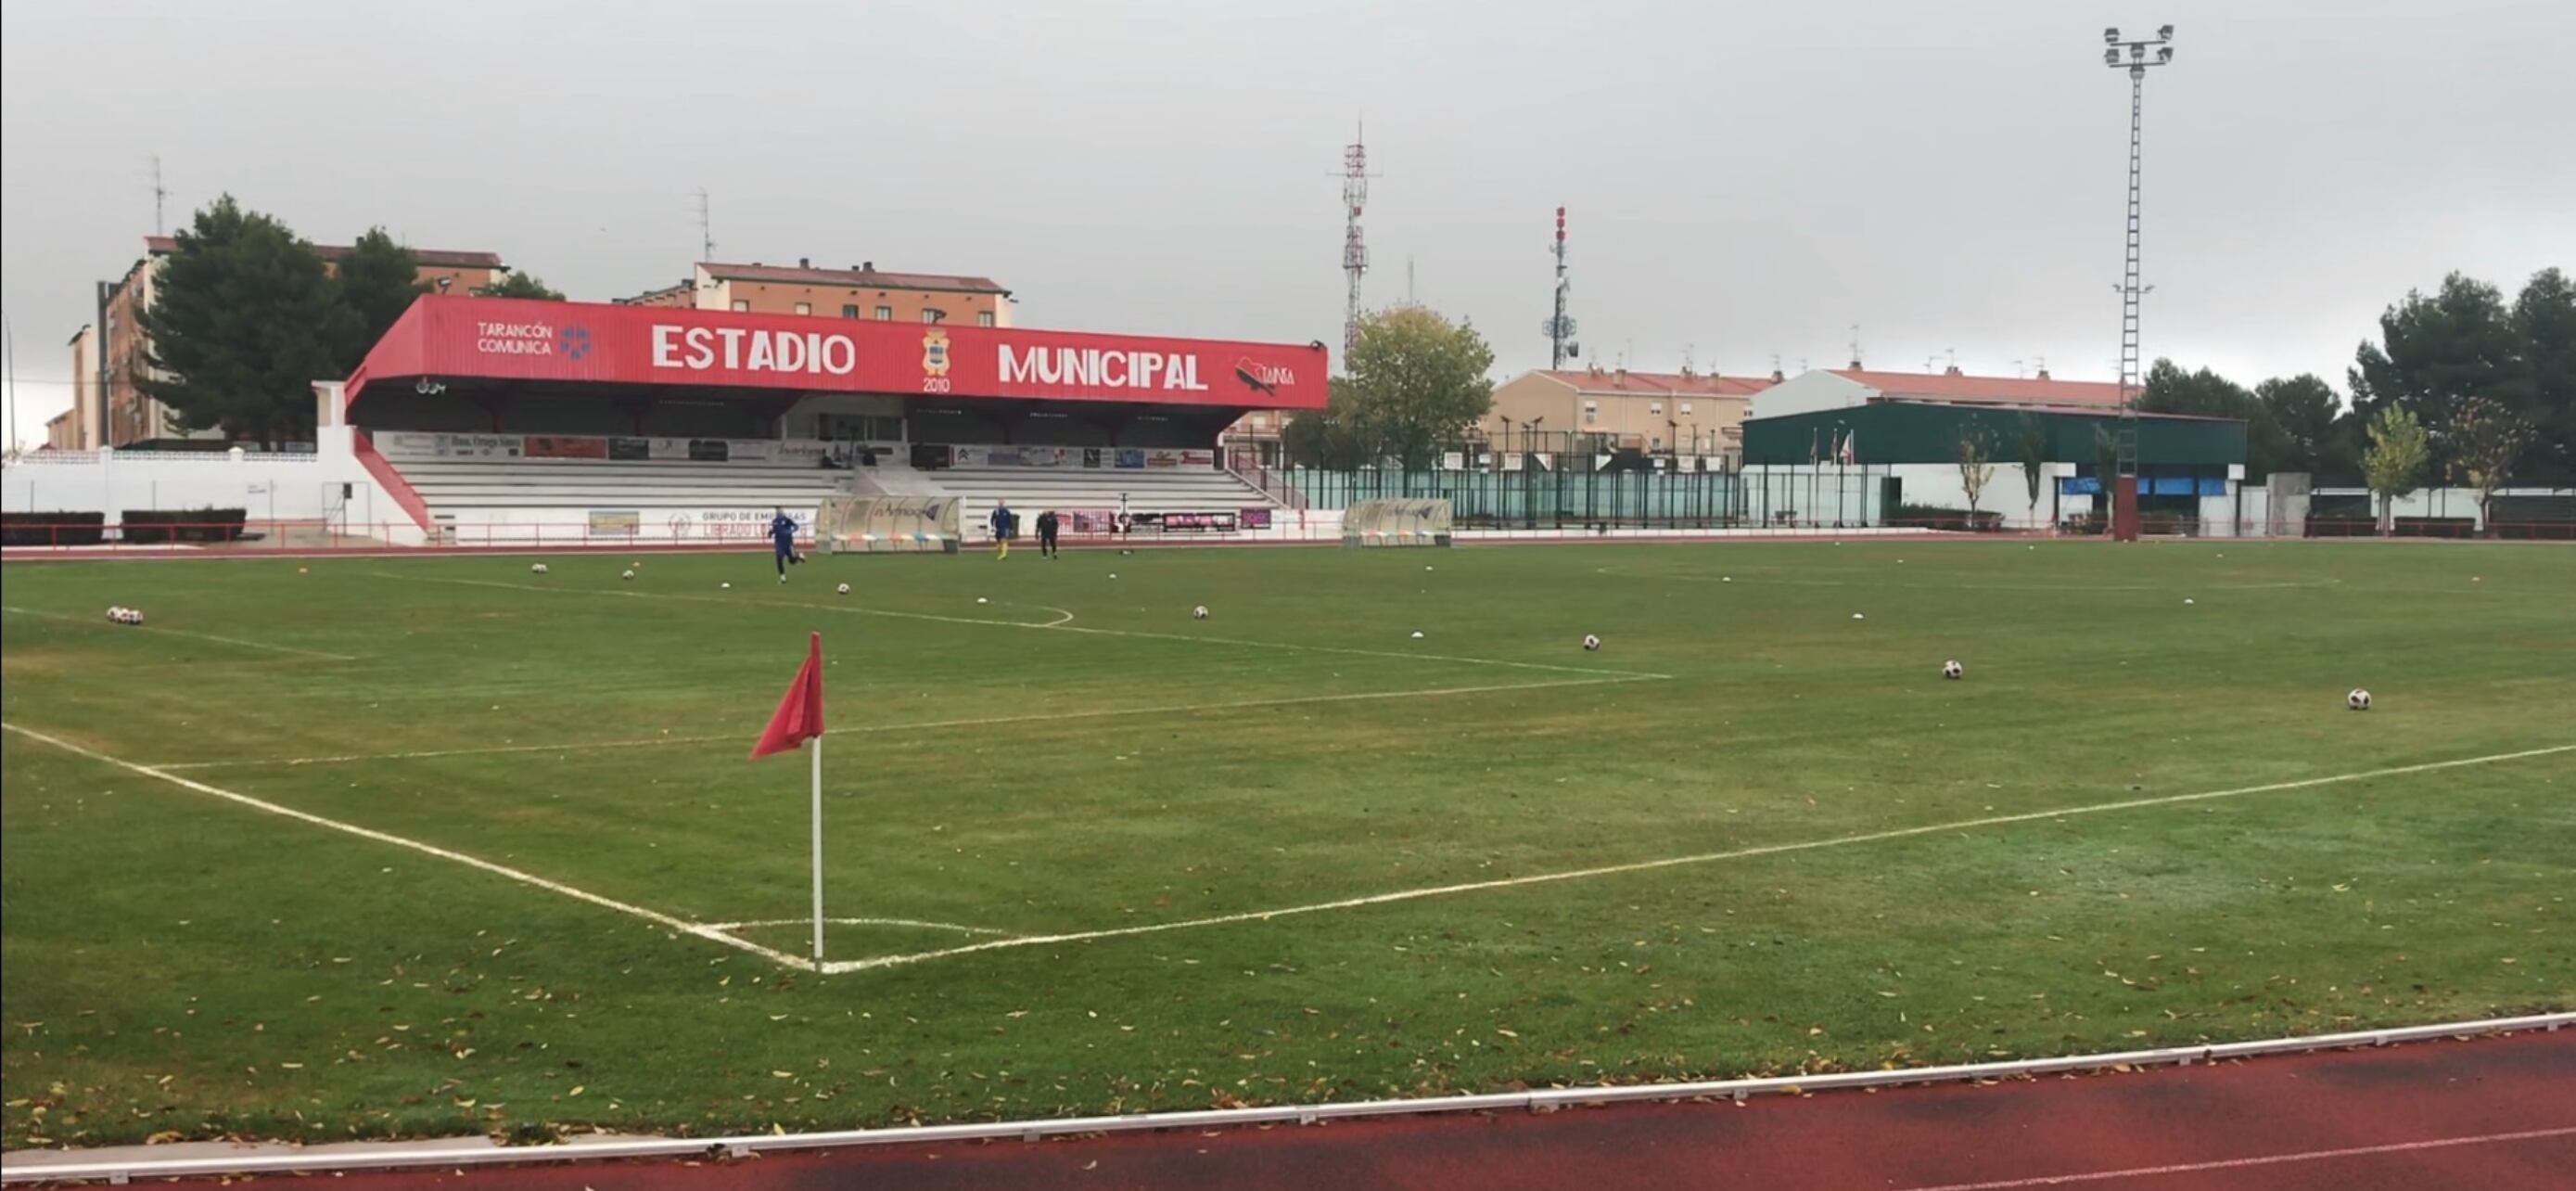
column 544, row 417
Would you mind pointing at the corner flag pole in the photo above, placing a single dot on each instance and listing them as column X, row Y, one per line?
column 816, row 744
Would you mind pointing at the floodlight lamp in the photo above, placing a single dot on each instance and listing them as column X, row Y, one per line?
column 2164, row 55
column 2110, row 57
column 2164, row 33
column 2111, row 36
column 2138, row 51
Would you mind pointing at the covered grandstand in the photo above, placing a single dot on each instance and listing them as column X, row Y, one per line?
column 488, row 421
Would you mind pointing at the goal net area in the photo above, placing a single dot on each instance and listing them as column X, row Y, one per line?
column 887, row 524
column 1396, row 523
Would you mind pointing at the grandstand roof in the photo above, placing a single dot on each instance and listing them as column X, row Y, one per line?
column 553, row 344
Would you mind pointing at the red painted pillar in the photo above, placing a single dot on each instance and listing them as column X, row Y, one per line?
column 2124, row 509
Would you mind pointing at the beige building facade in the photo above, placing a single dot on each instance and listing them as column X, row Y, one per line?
column 863, row 292
column 1682, row 413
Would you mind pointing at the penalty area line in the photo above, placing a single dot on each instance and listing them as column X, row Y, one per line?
column 522, row 876
column 1639, row 866
column 14, row 610
column 925, row 725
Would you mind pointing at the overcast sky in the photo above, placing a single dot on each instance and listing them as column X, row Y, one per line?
column 1746, row 180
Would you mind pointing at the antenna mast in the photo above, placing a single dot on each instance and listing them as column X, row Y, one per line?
column 1559, row 327
column 706, row 228
column 1355, row 260
column 160, row 197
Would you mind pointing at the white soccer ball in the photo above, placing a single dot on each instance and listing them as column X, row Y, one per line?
column 626, row 574
column 1952, row 669
column 980, row 600
column 1417, row 634
column 1857, row 616
column 725, row 586
column 134, row 616
column 844, row 589
column 115, row 614
column 2358, row 700
column 537, row 568
column 1199, row 613
column 1590, row 642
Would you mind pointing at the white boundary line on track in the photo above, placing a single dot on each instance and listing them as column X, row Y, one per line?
column 121, row 1163
column 656, row 917
column 925, row 725
column 2140, row 1172
column 1059, row 627
column 14, row 610
column 1607, row 870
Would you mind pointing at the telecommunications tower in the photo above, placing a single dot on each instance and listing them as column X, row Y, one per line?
column 1559, row 327
column 1355, row 178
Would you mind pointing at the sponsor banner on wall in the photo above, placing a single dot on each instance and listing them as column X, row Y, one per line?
column 479, row 446
column 1091, row 456
column 709, row 450
column 1252, row 518
column 804, row 450
column 1091, row 520
column 552, row 446
column 630, row 450
column 616, row 521
column 1046, row 457
column 408, row 443
column 669, row 448
column 727, row 525
column 968, row 456
column 1130, row 457
column 753, row 450
column 1222, row 522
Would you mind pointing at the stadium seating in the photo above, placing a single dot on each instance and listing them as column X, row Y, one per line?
column 447, row 485
column 1149, row 490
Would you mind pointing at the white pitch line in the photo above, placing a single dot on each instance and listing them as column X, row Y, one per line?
column 912, row 922
column 146, row 628
column 2140, row 1172
column 1057, row 627
column 1607, row 870
column 656, row 917
column 925, row 725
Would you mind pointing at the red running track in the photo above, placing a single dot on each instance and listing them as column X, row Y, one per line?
column 2494, row 1114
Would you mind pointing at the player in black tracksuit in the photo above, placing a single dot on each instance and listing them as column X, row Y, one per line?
column 1047, row 526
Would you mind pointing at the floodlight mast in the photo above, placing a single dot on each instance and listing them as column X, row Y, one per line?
column 2134, row 56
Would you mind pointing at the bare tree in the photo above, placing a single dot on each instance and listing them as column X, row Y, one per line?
column 1976, row 466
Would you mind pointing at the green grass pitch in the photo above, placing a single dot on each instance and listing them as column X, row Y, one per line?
column 1053, row 764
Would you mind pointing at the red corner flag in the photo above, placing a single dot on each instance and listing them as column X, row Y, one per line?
column 799, row 717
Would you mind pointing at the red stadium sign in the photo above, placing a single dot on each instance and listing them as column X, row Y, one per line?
column 506, row 339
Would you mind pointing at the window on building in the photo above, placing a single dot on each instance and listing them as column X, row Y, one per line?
column 742, row 304
column 1686, row 409
column 1591, row 412
column 804, row 308
column 885, row 314
column 1656, row 408
column 849, row 311
column 933, row 316
column 983, row 318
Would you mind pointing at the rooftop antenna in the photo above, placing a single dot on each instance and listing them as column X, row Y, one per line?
column 1355, row 259
column 1953, row 353
column 1855, row 346
column 1559, row 327
column 1686, row 358
column 160, row 197
column 706, row 227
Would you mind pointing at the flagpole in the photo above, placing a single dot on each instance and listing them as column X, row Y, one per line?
column 816, row 745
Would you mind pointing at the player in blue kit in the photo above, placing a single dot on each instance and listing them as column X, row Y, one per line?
column 782, row 537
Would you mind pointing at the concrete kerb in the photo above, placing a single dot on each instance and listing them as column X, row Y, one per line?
column 122, row 1165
